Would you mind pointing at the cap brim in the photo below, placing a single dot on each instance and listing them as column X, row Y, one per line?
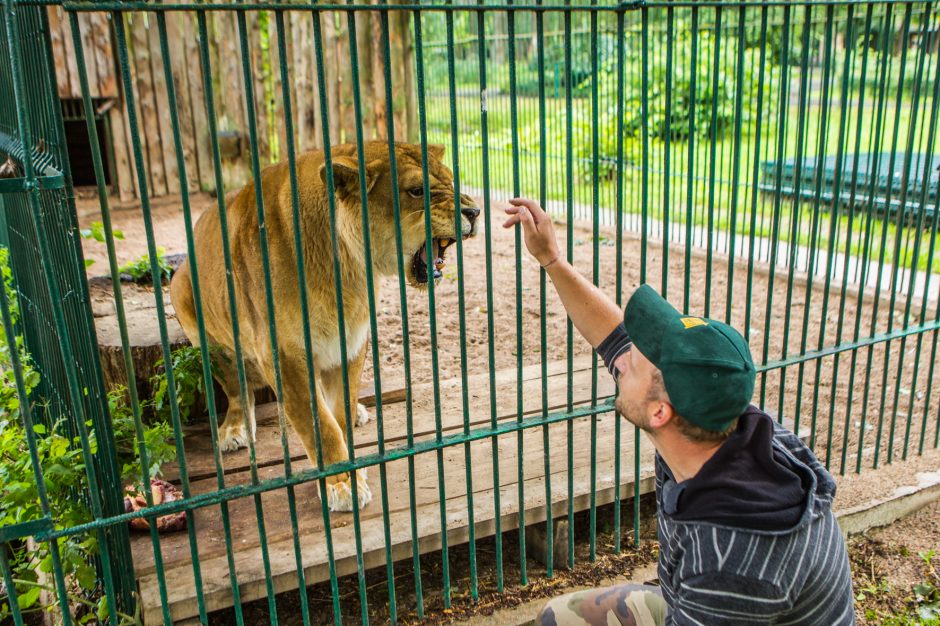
column 646, row 317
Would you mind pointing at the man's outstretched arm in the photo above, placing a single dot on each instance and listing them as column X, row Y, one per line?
column 593, row 313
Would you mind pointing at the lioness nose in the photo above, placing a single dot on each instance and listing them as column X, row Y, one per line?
column 470, row 212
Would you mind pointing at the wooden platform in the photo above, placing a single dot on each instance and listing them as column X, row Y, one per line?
column 175, row 548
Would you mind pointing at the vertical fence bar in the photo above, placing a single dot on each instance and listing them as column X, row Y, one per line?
column 517, row 234
column 341, row 322
column 403, row 303
column 200, row 316
column 301, row 282
column 736, row 162
column 712, row 163
column 822, row 130
column 690, row 166
column 755, row 187
column 569, row 255
column 874, row 139
column 899, row 225
column 461, row 307
column 429, row 246
column 619, row 259
column 884, row 234
column 595, row 237
column 490, row 320
column 834, row 214
column 543, row 329
column 119, row 308
column 863, row 77
column 117, row 583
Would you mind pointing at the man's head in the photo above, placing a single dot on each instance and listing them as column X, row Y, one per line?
column 695, row 371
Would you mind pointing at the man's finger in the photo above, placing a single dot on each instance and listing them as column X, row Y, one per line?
column 537, row 212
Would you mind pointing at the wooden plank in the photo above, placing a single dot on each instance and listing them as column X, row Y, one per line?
column 149, row 127
column 179, row 29
column 102, row 46
column 162, row 110
column 202, row 174
column 247, row 558
column 70, row 64
column 88, row 54
column 56, row 15
column 269, row 452
column 230, row 99
column 125, row 136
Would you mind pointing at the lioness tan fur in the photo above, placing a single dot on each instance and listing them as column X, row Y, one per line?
column 250, row 294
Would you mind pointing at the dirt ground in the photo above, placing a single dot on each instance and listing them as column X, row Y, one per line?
column 886, row 559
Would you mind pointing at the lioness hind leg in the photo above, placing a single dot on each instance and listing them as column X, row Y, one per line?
column 234, row 433
column 339, row 494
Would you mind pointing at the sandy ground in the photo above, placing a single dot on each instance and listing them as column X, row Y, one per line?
column 810, row 393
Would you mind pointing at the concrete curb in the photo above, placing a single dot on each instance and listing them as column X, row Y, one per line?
column 904, row 501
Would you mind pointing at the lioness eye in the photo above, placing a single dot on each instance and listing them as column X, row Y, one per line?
column 416, row 192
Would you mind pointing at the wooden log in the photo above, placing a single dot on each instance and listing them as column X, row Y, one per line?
column 149, row 127
column 162, row 109
column 302, row 82
column 379, row 105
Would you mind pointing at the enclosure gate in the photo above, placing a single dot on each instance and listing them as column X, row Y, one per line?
column 766, row 163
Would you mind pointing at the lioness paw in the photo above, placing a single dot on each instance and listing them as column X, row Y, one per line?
column 339, row 494
column 232, row 438
column 362, row 415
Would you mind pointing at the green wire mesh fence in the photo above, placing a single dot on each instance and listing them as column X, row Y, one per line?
column 769, row 164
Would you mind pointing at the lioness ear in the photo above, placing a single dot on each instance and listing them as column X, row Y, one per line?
column 436, row 150
column 346, row 175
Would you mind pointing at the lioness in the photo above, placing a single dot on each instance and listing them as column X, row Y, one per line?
column 248, row 275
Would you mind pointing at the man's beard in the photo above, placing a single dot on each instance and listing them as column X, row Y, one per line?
column 633, row 413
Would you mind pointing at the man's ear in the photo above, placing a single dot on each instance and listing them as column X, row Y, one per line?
column 662, row 415
column 346, row 175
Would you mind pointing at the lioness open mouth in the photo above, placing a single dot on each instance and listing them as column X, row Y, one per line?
column 419, row 262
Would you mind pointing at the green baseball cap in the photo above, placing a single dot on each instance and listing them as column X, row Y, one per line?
column 706, row 365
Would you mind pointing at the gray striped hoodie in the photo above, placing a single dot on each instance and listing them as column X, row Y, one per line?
column 733, row 547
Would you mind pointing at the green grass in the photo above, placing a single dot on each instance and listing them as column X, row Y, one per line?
column 894, row 135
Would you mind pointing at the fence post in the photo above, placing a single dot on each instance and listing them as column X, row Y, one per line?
column 43, row 214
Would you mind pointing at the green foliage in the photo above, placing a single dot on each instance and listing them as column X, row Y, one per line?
column 64, row 476
column 186, row 363
column 139, row 270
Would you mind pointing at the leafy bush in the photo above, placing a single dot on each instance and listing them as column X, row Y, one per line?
column 64, row 477
column 139, row 270
column 190, row 385
column 685, row 104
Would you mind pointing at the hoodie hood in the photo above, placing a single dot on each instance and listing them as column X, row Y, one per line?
column 762, row 478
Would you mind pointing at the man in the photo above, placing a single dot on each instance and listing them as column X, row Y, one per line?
column 744, row 509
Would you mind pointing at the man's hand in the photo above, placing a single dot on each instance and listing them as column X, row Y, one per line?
column 537, row 227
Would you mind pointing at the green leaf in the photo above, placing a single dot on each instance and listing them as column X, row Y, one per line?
column 39, row 429
column 103, row 611
column 86, row 576
column 28, row 598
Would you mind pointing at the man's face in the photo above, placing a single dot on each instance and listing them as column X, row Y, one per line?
column 634, row 398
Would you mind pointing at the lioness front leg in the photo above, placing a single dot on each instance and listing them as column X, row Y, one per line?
column 339, row 495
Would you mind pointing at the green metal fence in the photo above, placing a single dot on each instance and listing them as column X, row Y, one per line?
column 769, row 164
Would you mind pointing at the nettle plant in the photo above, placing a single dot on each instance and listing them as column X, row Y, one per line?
column 63, row 471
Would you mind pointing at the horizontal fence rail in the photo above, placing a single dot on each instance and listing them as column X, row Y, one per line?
column 350, row 431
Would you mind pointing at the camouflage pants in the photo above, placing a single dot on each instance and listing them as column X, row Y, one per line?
column 623, row 605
